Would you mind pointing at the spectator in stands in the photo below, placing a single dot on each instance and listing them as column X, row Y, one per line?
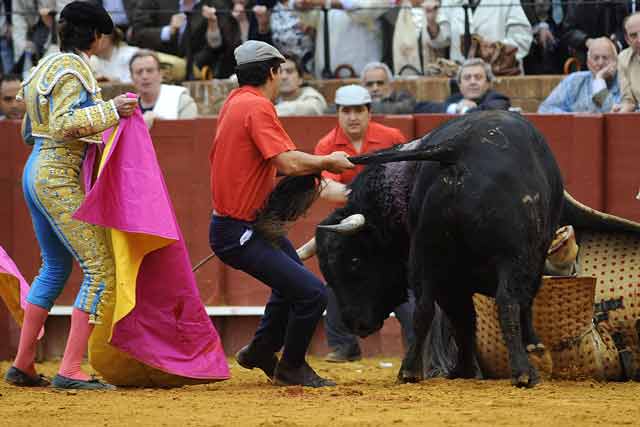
column 210, row 36
column 240, row 15
column 31, row 24
column 354, row 34
column 355, row 134
column 592, row 91
column 377, row 78
column 122, row 12
column 474, row 79
column 10, row 107
column 111, row 61
column 290, row 35
column 589, row 19
column 496, row 21
column 158, row 100
column 403, row 49
column 548, row 53
column 295, row 98
column 629, row 66
column 6, row 44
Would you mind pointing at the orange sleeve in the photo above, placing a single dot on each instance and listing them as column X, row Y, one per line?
column 398, row 137
column 323, row 148
column 266, row 131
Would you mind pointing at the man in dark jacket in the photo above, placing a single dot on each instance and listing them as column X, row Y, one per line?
column 204, row 29
column 548, row 51
column 377, row 78
column 474, row 79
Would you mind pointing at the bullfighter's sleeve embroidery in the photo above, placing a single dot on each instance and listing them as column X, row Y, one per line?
column 68, row 122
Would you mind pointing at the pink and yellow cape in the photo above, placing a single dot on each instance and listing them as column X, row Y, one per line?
column 13, row 287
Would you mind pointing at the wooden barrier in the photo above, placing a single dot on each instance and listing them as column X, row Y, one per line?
column 597, row 155
column 577, row 141
column 622, row 171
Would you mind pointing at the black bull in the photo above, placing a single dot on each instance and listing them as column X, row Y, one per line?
column 470, row 207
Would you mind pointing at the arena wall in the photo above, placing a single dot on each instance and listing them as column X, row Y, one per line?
column 597, row 155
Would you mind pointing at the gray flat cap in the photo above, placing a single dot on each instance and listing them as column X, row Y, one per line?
column 255, row 51
column 352, row 95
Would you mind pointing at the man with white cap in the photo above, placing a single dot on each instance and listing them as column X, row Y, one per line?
column 355, row 134
column 249, row 149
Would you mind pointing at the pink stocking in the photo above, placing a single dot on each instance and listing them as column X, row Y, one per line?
column 76, row 346
column 34, row 318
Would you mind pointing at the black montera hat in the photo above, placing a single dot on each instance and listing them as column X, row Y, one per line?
column 87, row 14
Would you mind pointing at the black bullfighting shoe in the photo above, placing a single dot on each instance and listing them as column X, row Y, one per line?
column 303, row 375
column 15, row 376
column 62, row 382
column 343, row 354
column 248, row 357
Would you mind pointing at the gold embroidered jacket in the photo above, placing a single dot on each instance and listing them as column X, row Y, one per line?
column 63, row 101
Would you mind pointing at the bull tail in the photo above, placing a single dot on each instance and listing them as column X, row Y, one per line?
column 440, row 350
column 446, row 153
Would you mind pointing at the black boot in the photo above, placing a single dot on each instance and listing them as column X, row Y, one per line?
column 249, row 357
column 303, row 375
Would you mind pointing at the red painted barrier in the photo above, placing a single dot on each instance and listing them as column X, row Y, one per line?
column 578, row 144
column 622, row 178
column 10, row 237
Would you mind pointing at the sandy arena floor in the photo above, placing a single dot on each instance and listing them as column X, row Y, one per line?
column 366, row 396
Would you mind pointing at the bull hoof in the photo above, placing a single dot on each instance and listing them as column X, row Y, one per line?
column 405, row 377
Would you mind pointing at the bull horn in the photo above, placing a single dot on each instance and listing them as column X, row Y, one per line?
column 307, row 250
column 349, row 225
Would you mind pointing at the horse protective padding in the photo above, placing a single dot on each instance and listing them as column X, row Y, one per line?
column 614, row 259
column 562, row 317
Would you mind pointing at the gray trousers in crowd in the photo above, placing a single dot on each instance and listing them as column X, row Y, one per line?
column 339, row 337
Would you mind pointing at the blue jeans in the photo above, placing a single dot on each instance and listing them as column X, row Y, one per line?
column 298, row 298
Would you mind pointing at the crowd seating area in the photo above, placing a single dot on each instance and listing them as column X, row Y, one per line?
column 598, row 155
column 525, row 92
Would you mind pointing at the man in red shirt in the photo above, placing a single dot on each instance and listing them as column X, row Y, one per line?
column 249, row 149
column 355, row 134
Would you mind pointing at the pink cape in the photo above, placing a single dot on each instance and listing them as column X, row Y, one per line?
column 165, row 324
column 14, row 288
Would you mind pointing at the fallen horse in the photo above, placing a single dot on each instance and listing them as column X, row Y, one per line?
column 590, row 322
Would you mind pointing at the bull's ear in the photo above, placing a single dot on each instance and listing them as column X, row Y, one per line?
column 350, row 225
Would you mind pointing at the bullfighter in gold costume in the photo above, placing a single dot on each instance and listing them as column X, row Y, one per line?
column 65, row 113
